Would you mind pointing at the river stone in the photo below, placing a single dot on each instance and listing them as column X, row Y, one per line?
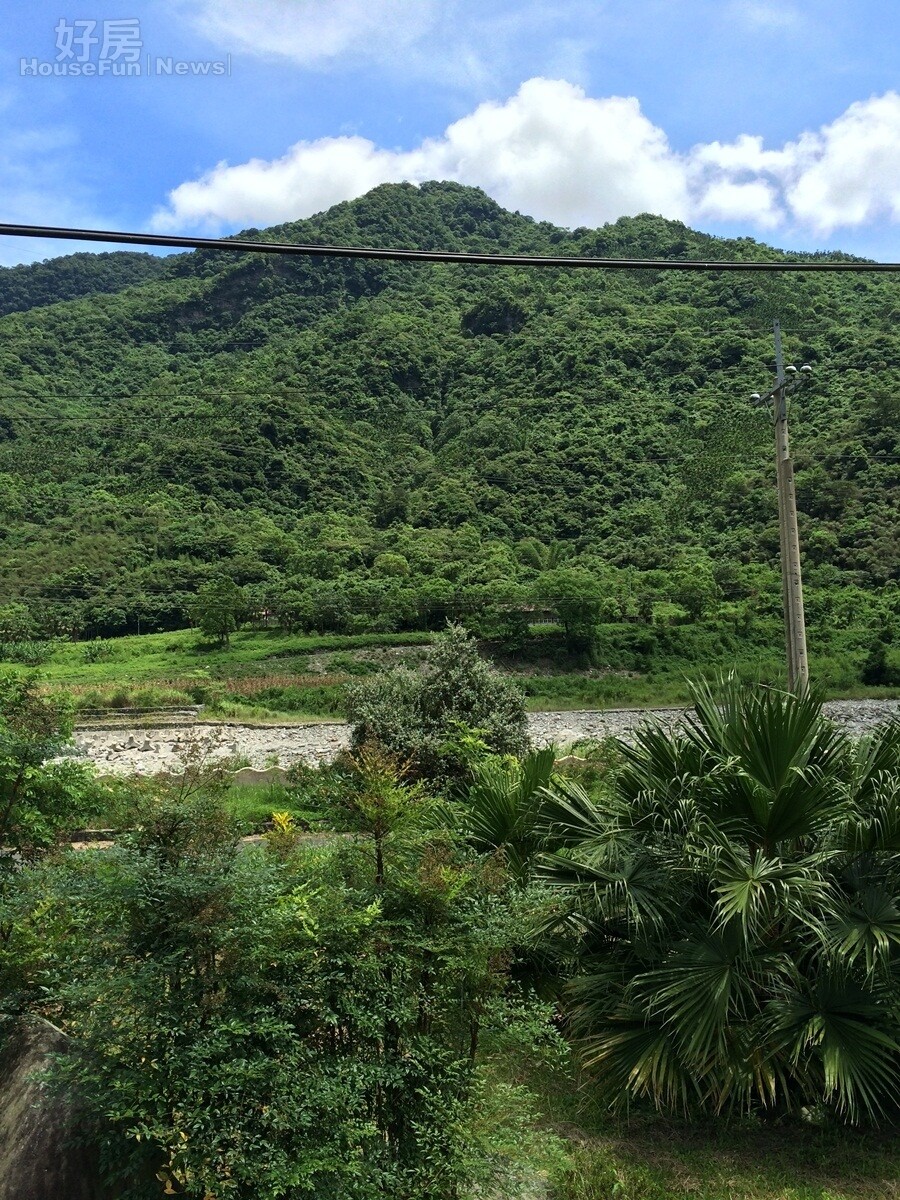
column 321, row 742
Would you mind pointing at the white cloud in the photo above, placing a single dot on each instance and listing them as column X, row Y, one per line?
column 465, row 44
column 844, row 175
column 315, row 32
column 745, row 154
column 555, row 153
column 310, row 177
column 767, row 16
column 849, row 173
column 755, row 203
column 549, row 150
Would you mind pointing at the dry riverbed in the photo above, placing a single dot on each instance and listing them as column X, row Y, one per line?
column 148, row 750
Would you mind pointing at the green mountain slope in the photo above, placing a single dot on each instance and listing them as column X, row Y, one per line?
column 34, row 285
column 367, row 445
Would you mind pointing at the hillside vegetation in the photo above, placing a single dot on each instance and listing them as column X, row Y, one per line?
column 366, row 447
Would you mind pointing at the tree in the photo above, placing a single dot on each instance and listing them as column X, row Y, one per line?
column 423, row 715
column 16, row 623
column 735, row 903
column 219, row 608
column 877, row 671
column 293, row 1026
column 38, row 799
column 695, row 590
column 578, row 599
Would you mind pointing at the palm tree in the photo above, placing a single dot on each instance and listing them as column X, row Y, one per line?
column 504, row 807
column 733, row 904
column 542, row 556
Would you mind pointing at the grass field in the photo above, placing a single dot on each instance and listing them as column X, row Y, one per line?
column 154, row 657
column 262, row 674
column 647, row 1157
column 269, row 675
column 658, row 1160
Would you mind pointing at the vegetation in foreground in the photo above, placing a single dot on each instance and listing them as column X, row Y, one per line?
column 448, row 993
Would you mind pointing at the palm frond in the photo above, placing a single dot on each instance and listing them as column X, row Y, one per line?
column 766, row 731
column 866, row 927
column 632, row 890
column 504, row 804
column 639, row 1060
column 876, row 759
column 873, row 825
column 701, row 989
column 570, row 817
column 760, row 892
column 840, row 1032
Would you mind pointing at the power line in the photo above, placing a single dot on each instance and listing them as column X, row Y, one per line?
column 245, row 246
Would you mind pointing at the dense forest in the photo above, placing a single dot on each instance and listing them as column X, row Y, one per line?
column 365, row 447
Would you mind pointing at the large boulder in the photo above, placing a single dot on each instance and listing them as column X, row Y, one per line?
column 42, row 1151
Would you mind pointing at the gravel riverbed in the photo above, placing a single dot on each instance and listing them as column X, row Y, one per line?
column 146, row 750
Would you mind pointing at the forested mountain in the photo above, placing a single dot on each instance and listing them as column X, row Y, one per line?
column 370, row 445
column 34, row 285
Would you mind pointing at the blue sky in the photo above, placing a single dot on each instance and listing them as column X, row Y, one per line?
column 780, row 121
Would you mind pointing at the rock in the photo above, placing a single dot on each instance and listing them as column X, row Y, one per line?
column 38, row 1160
column 321, row 742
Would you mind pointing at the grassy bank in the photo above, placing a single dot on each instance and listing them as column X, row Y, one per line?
column 156, row 657
column 643, row 1156
column 269, row 675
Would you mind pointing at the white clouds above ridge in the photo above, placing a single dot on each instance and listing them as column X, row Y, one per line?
column 558, row 154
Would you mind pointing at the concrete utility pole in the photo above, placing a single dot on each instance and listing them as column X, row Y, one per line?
column 788, row 380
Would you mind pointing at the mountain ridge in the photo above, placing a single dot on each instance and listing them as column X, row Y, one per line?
column 292, row 422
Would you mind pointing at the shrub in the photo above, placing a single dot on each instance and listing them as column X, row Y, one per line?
column 30, row 652
column 39, row 799
column 737, row 892
column 292, row 1024
column 421, row 715
column 97, row 650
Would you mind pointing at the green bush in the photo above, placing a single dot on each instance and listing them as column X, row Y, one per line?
column 40, row 801
column 737, row 891
column 426, row 716
column 97, row 650
column 301, row 1025
column 28, row 653
column 327, row 700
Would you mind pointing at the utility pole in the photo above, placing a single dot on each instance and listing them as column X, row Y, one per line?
column 787, row 381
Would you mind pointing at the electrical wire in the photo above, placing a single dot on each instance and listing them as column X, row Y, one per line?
column 245, row 246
